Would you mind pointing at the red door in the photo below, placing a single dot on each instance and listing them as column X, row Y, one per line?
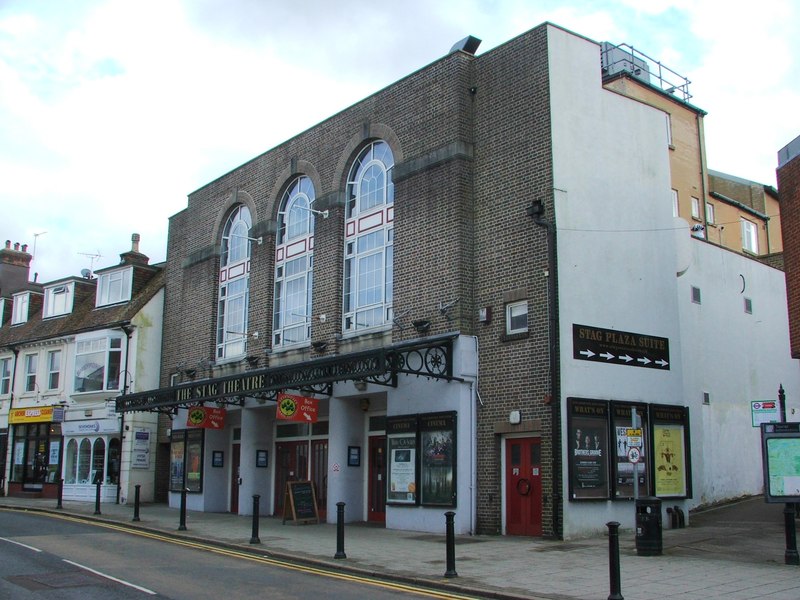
column 291, row 464
column 235, row 453
column 523, row 486
column 377, row 479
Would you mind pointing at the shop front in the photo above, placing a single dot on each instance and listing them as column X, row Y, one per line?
column 36, row 439
column 91, row 456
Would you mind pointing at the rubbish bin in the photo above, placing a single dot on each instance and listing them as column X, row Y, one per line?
column 648, row 526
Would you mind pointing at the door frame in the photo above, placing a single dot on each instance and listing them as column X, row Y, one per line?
column 236, row 473
column 280, row 490
column 373, row 440
column 503, row 452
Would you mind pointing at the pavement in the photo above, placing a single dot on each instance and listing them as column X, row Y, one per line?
column 735, row 552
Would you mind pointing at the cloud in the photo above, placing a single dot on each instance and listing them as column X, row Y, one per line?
column 111, row 112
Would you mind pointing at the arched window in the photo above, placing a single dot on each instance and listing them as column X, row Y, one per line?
column 294, row 263
column 99, row 461
column 84, row 461
column 369, row 237
column 234, row 284
column 71, row 462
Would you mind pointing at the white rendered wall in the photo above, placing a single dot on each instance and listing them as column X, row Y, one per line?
column 346, row 484
column 257, row 428
column 420, row 395
column 616, row 251
column 143, row 365
column 735, row 357
column 619, row 255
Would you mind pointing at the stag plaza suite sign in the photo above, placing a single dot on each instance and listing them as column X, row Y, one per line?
column 616, row 347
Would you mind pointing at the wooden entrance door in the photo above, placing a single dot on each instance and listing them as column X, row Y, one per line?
column 377, row 479
column 291, row 464
column 523, row 486
column 235, row 476
column 319, row 475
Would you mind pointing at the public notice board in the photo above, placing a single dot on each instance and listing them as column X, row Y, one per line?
column 300, row 502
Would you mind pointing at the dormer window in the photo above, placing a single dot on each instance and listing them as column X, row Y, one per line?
column 114, row 287
column 20, row 313
column 58, row 300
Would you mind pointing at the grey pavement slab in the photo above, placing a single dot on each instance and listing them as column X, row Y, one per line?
column 731, row 552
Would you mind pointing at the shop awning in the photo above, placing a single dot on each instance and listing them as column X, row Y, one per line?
column 431, row 357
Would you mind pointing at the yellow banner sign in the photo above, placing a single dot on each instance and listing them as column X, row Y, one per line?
column 43, row 414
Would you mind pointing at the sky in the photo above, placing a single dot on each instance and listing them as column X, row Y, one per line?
column 113, row 111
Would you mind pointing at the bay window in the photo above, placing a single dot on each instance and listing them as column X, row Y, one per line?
column 98, row 364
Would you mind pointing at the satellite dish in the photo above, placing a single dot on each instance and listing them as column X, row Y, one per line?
column 86, row 273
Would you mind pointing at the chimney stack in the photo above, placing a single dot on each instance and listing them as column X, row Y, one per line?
column 14, row 267
column 134, row 257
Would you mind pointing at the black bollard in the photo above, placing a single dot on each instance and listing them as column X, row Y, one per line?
column 136, row 502
column 451, row 545
column 182, row 525
column 254, row 539
column 60, row 493
column 340, row 531
column 97, row 498
column 790, row 557
column 613, row 561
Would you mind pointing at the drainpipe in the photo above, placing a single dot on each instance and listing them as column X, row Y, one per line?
column 15, row 350
column 10, row 444
column 128, row 330
column 703, row 174
column 475, row 395
column 536, row 211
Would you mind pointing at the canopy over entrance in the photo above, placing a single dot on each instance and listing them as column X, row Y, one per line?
column 432, row 357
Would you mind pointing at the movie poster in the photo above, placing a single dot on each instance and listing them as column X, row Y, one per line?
column 588, row 449
column 625, row 438
column 668, row 455
column 194, row 460
column 402, row 470
column 176, row 460
column 401, row 442
column 671, row 452
column 438, row 454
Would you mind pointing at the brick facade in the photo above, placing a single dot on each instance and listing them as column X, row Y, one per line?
column 471, row 143
column 789, row 186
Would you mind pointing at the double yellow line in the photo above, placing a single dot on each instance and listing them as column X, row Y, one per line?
column 322, row 572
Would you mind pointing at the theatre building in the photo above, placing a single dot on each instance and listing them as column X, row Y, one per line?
column 411, row 306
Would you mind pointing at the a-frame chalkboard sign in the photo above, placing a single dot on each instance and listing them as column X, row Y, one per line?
column 300, row 502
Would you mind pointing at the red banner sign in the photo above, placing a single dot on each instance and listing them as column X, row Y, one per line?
column 206, row 417
column 297, row 408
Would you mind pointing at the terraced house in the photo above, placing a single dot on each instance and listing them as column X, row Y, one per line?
column 68, row 348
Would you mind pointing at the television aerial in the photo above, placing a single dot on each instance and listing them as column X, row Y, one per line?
column 92, row 258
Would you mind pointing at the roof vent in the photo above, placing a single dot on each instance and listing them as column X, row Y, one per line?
column 469, row 45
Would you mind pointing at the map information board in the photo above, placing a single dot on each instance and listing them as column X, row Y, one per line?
column 781, row 460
